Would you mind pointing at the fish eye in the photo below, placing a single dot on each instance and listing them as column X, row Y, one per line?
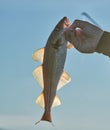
column 57, row 29
column 57, row 44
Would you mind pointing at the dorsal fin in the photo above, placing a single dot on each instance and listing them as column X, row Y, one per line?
column 38, row 55
column 38, row 75
column 40, row 101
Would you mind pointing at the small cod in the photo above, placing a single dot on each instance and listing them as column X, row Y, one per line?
column 50, row 75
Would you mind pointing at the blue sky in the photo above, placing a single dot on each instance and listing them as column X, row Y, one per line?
column 24, row 27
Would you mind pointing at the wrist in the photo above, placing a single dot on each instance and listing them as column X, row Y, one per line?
column 104, row 44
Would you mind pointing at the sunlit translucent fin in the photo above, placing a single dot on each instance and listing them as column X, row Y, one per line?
column 69, row 45
column 38, row 55
column 40, row 100
column 56, row 102
column 38, row 75
column 65, row 78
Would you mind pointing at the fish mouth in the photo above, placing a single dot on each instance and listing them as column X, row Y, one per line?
column 63, row 23
column 66, row 22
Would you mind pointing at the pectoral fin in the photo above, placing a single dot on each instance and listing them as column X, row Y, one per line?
column 38, row 55
column 69, row 45
column 40, row 101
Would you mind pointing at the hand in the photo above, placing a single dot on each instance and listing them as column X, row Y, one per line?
column 84, row 36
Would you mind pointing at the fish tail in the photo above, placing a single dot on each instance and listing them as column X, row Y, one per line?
column 46, row 116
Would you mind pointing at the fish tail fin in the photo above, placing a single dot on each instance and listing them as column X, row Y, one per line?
column 46, row 117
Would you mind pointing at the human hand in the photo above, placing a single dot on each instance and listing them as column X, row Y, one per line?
column 84, row 36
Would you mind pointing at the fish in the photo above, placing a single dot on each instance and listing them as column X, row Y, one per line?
column 51, row 75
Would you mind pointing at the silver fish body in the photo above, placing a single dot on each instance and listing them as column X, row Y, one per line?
column 53, row 65
column 51, row 75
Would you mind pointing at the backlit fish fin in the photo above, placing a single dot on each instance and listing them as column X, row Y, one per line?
column 38, row 55
column 38, row 75
column 40, row 100
column 65, row 78
column 56, row 102
column 69, row 45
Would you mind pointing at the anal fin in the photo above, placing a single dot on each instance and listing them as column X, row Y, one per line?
column 56, row 102
column 40, row 101
column 38, row 75
column 65, row 78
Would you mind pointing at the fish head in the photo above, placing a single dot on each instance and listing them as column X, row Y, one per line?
column 63, row 23
column 57, row 37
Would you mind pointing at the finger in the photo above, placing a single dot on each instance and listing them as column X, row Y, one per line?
column 79, row 24
column 73, row 38
column 86, row 27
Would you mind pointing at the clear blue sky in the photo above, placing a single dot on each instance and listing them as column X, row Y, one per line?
column 24, row 27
